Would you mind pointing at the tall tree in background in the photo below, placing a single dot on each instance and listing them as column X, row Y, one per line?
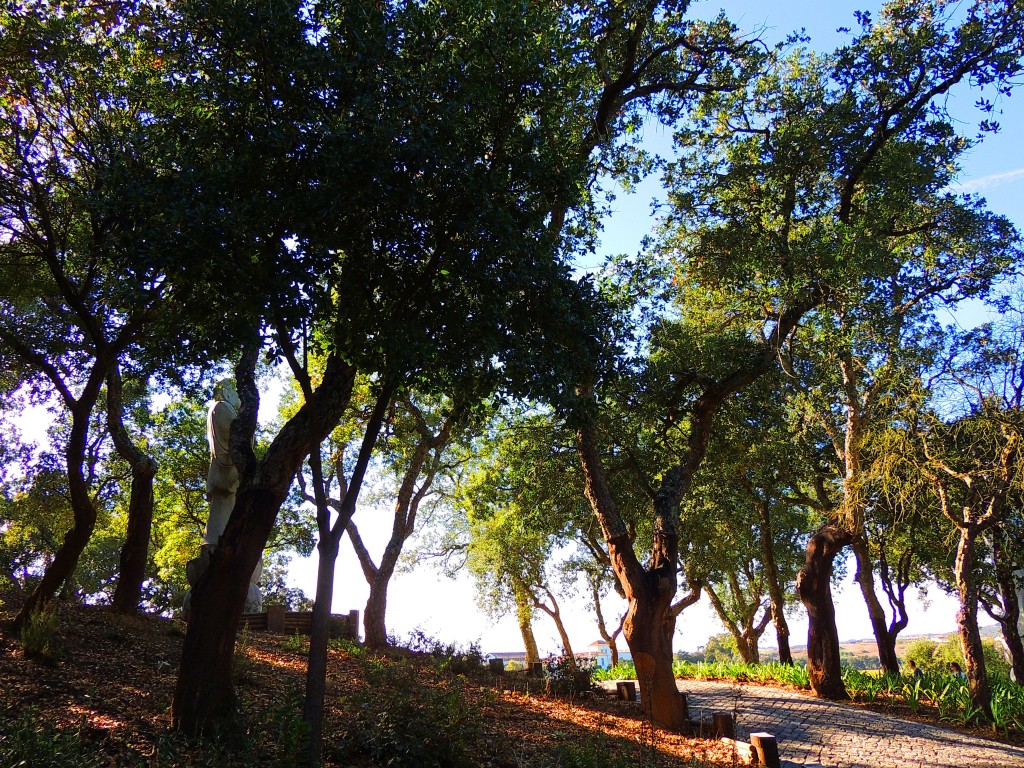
column 823, row 188
column 73, row 102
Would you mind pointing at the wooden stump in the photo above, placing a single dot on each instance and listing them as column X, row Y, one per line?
column 625, row 690
column 724, row 725
column 686, row 706
column 766, row 749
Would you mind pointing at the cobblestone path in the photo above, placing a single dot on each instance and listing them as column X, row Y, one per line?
column 825, row 734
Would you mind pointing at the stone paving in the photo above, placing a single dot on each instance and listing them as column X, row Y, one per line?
column 816, row 733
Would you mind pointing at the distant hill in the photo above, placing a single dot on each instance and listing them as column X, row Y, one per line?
column 864, row 653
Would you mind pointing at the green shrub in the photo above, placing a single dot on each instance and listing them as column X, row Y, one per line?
column 624, row 670
column 40, row 639
column 567, row 678
column 295, row 643
column 403, row 723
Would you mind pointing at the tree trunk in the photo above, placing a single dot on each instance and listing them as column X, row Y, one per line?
column 775, row 591
column 316, row 669
column 650, row 621
column 1009, row 623
column 814, row 585
column 967, row 621
column 62, row 567
column 608, row 637
column 135, row 552
column 376, row 609
column 556, row 616
column 203, row 697
column 648, row 630
column 524, row 615
column 885, row 639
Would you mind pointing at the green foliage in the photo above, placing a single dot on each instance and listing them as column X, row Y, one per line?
column 568, row 677
column 721, row 648
column 295, row 643
column 786, row 674
column 448, row 658
column 398, row 721
column 933, row 656
column 40, row 638
column 624, row 670
column 27, row 740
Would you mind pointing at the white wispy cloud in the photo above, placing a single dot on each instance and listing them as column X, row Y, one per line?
column 991, row 181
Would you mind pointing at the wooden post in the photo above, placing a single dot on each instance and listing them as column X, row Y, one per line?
column 275, row 619
column 766, row 749
column 497, row 665
column 686, row 706
column 625, row 690
column 724, row 725
column 535, row 669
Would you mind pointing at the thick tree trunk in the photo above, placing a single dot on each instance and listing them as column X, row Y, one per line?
column 203, row 697
column 650, row 621
column 967, row 621
column 814, row 585
column 885, row 639
column 135, row 551
column 374, row 623
column 649, row 629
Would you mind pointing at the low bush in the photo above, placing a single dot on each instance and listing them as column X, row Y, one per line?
column 40, row 638
column 624, row 670
column 399, row 721
column 566, row 678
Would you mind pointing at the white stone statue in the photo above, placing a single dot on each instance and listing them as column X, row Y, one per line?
column 222, row 479
column 1019, row 578
column 221, row 486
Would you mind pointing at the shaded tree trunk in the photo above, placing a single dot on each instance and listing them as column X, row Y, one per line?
column 967, row 621
column 135, row 551
column 885, row 638
column 814, row 585
column 775, row 591
column 62, row 566
column 1009, row 617
column 203, row 697
column 330, row 539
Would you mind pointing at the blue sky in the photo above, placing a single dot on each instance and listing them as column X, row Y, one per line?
column 993, row 169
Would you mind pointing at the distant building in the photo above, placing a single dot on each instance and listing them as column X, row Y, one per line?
column 519, row 656
column 601, row 654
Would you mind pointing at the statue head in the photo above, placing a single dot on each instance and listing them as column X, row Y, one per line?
column 224, row 391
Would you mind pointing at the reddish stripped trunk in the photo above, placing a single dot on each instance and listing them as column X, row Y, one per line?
column 814, row 585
